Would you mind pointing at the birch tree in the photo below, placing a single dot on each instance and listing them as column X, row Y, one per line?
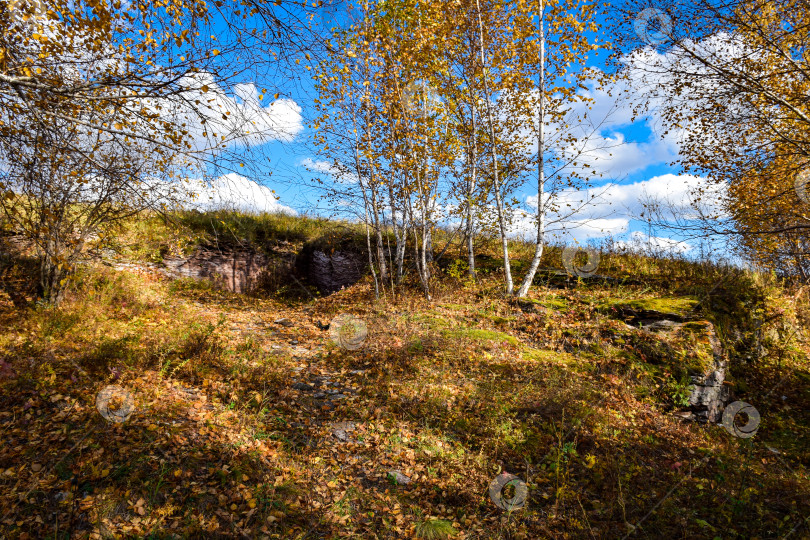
column 564, row 43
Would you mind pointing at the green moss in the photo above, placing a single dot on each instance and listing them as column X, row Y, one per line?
column 497, row 319
column 553, row 357
column 555, row 303
column 695, row 341
column 679, row 305
column 701, row 361
column 431, row 321
column 477, row 334
column 550, row 302
column 697, row 326
column 455, row 307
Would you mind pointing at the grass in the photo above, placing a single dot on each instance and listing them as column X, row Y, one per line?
column 435, row 529
column 449, row 393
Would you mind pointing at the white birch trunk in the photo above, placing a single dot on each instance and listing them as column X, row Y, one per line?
column 507, row 267
column 541, row 148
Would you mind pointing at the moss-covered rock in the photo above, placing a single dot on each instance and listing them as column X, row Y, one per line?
column 647, row 310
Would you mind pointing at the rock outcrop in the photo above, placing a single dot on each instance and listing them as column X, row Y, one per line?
column 235, row 269
column 708, row 392
column 332, row 272
column 333, row 262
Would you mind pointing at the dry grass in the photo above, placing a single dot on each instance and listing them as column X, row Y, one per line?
column 449, row 393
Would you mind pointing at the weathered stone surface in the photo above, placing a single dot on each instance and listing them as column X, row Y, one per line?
column 333, row 261
column 709, row 394
column 340, row 430
column 332, row 272
column 399, row 478
column 635, row 315
column 657, row 326
column 235, row 269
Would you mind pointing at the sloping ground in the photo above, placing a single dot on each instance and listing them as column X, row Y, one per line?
column 250, row 422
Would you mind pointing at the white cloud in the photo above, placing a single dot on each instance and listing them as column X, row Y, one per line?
column 341, row 175
column 637, row 99
column 603, row 122
column 603, row 113
column 610, row 155
column 210, row 113
column 320, row 165
column 591, row 134
column 653, row 76
column 569, row 228
column 608, row 210
column 233, row 192
column 678, row 194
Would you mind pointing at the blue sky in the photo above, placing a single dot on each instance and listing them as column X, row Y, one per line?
column 640, row 163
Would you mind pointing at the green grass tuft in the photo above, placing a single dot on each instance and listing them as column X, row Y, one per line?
column 435, row 529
